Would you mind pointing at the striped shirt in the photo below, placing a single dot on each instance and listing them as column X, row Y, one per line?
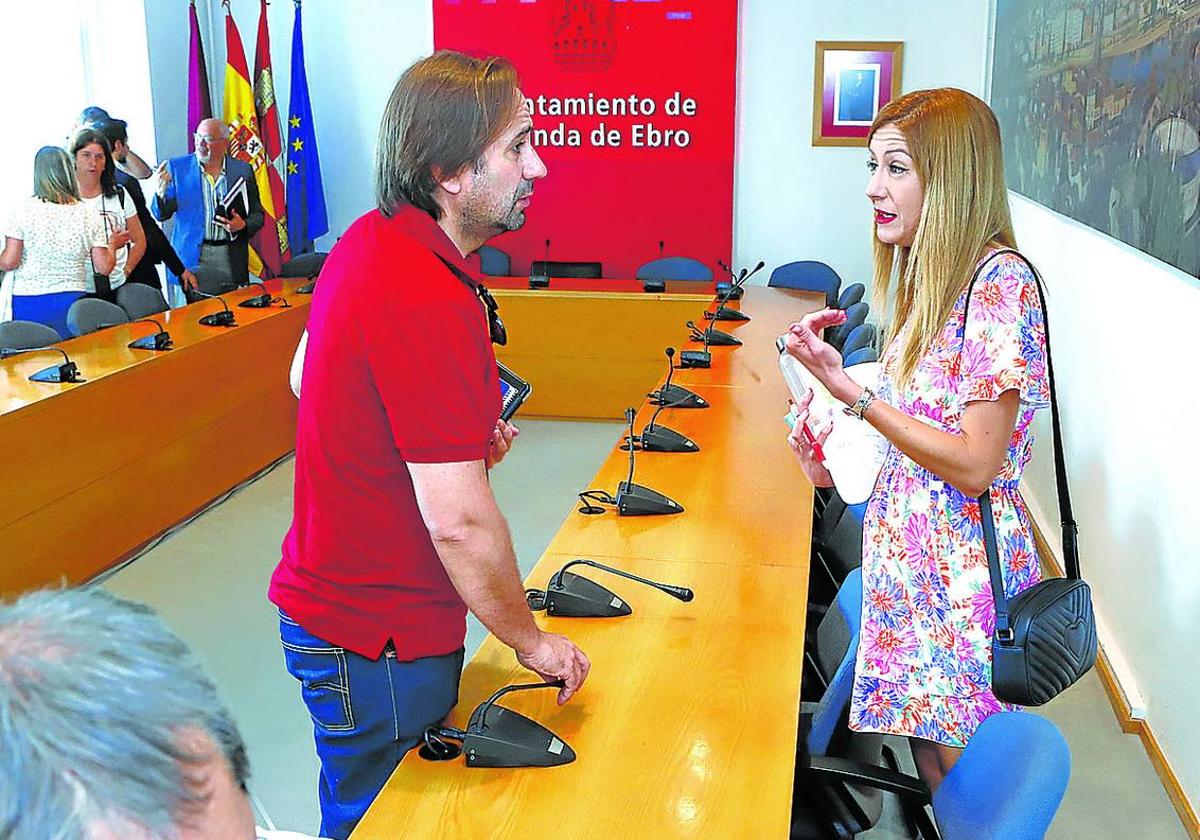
column 214, row 191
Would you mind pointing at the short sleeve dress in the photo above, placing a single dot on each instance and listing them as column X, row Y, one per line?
column 924, row 657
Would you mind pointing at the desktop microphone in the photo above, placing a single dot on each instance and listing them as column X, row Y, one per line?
column 724, row 313
column 729, row 286
column 636, row 500
column 655, row 284
column 656, row 438
column 258, row 301
column 496, row 736
column 676, row 396
column 217, row 319
column 574, row 596
column 540, row 280
column 66, row 372
column 160, row 340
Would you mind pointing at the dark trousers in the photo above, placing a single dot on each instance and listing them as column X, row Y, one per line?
column 367, row 713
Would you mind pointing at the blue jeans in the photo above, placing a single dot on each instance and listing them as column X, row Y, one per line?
column 367, row 713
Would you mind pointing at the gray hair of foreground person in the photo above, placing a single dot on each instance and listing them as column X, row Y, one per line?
column 106, row 719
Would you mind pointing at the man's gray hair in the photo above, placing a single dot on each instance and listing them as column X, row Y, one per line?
column 100, row 704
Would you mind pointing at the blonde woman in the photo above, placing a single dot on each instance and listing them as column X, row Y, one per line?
column 49, row 243
column 956, row 395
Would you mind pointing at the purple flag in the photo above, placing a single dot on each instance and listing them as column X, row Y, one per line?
column 199, row 102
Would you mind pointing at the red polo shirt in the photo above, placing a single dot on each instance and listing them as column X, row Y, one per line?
column 399, row 369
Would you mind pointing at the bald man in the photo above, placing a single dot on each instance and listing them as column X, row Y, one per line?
column 211, row 238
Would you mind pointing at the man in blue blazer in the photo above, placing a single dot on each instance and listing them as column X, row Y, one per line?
column 215, row 219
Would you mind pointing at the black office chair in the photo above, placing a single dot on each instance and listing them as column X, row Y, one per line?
column 494, row 262
column 304, row 265
column 139, row 300
column 851, row 295
column 809, row 275
column 25, row 335
column 557, row 268
column 860, row 356
column 90, row 314
column 861, row 336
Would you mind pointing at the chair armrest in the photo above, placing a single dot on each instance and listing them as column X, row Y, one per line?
column 881, row 778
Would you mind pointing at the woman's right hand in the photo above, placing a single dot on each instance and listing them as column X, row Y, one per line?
column 118, row 240
column 813, row 468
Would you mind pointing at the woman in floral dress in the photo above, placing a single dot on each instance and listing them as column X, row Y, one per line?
column 958, row 389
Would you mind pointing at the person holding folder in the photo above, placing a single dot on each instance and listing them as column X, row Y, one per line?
column 216, row 204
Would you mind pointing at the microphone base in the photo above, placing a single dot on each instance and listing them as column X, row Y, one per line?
column 307, row 288
column 718, row 338
column 219, row 319
column 727, row 314
column 636, row 500
column 723, row 289
column 260, row 302
column 662, row 439
column 695, row 359
column 539, row 281
column 513, row 740
column 578, row 597
column 158, row 341
column 676, row 396
column 654, row 285
column 67, row 372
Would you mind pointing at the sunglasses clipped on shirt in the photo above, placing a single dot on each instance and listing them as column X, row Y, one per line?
column 496, row 328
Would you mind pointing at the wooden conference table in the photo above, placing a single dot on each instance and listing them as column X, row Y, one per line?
column 687, row 725
column 92, row 471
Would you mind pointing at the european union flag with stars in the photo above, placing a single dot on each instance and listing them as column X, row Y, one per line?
column 307, row 218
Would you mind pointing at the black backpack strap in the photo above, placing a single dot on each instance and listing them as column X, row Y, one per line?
column 1070, row 529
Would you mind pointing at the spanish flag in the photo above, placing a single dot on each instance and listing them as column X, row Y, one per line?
column 245, row 143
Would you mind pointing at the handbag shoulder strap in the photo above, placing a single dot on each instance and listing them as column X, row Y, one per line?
column 1070, row 529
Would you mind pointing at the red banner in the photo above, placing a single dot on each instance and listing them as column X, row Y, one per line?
column 634, row 107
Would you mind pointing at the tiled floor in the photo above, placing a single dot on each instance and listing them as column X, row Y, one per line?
column 209, row 582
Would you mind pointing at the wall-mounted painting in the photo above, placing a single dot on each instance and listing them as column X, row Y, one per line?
column 1099, row 108
column 851, row 82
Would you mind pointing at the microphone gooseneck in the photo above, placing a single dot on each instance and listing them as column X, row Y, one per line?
column 212, row 297
column 629, row 415
column 6, row 352
column 479, row 726
column 681, row 592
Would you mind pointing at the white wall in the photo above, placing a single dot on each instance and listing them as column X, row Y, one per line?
column 796, row 201
column 1123, row 335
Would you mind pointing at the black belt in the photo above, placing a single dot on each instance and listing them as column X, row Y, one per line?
column 216, row 243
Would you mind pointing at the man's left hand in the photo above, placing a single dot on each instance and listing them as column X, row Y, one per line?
column 234, row 224
column 502, row 441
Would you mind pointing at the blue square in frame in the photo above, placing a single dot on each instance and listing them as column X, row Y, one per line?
column 857, row 91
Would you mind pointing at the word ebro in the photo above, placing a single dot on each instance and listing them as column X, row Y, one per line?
column 641, row 135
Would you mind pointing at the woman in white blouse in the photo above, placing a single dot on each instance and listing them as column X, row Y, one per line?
column 96, row 173
column 49, row 243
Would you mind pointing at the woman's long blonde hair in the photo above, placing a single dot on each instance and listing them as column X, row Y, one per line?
column 954, row 139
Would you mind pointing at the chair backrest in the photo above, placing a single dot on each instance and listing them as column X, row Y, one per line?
column 851, row 295
column 1008, row 783
column 809, row 275
column 862, row 354
column 139, row 300
column 25, row 335
column 304, row 265
column 837, row 636
column 212, row 282
column 856, row 314
column 494, row 262
column 859, row 337
column 841, row 551
column 674, row 268
column 558, row 268
column 90, row 314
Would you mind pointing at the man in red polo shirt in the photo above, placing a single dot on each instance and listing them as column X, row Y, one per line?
column 395, row 532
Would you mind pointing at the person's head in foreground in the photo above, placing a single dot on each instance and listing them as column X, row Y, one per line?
column 110, row 729
column 939, row 200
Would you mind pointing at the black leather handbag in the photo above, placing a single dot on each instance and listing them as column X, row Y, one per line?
column 1045, row 637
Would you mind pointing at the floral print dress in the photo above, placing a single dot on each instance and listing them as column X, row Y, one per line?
column 924, row 658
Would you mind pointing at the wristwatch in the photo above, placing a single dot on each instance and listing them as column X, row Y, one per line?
column 860, row 406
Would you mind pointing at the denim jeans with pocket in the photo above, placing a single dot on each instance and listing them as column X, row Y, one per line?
column 367, row 713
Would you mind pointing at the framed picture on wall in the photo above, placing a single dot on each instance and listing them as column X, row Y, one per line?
column 852, row 80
